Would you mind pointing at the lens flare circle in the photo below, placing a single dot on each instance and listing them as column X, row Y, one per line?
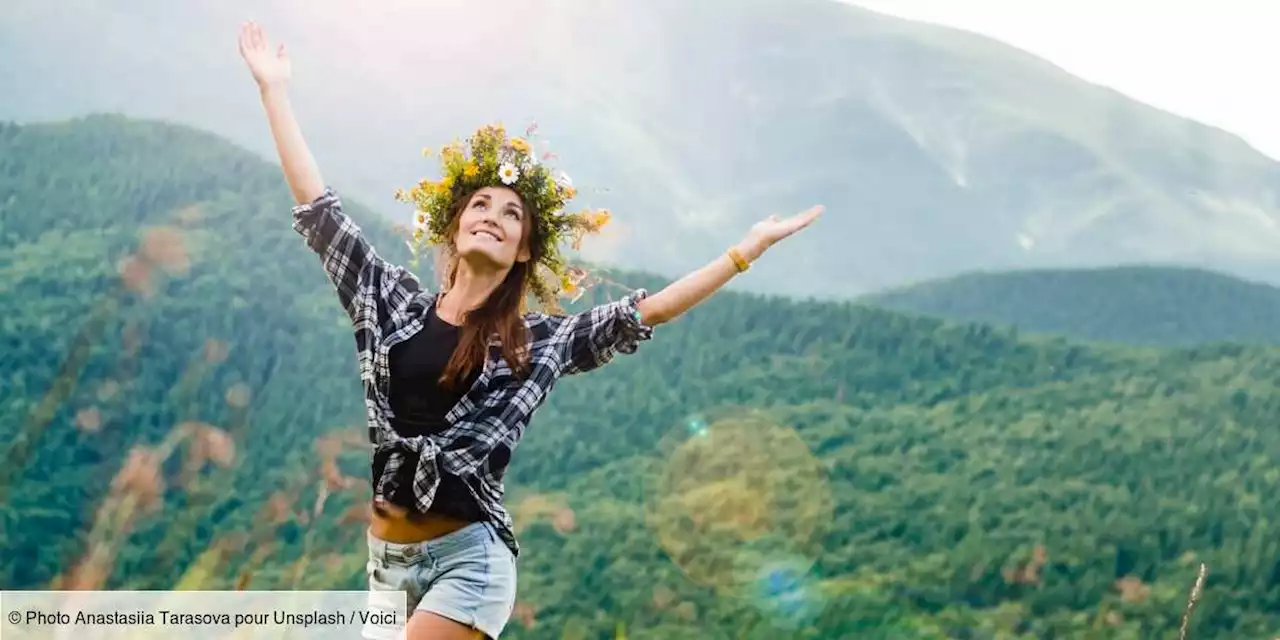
column 736, row 496
column 786, row 593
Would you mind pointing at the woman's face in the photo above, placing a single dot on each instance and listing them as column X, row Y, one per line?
column 492, row 229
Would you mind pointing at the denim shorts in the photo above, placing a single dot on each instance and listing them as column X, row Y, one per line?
column 468, row 576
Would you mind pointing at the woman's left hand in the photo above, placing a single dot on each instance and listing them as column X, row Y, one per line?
column 772, row 229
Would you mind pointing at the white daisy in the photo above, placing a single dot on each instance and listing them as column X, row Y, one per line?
column 564, row 179
column 508, row 173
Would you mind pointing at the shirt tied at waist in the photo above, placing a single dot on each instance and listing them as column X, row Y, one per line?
column 396, row 451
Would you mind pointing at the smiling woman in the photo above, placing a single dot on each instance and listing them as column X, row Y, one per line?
column 452, row 378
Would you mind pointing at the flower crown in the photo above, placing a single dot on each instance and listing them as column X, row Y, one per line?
column 491, row 159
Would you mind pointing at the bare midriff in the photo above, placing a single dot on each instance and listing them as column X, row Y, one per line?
column 396, row 524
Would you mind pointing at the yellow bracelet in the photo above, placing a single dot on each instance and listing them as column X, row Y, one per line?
column 738, row 261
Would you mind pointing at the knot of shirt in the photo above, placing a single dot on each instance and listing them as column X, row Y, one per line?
column 426, row 476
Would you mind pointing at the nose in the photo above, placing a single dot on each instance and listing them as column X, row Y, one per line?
column 489, row 219
column 490, row 214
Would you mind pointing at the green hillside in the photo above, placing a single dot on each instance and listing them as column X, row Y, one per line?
column 764, row 468
column 1142, row 305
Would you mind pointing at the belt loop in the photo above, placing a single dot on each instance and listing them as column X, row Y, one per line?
column 376, row 548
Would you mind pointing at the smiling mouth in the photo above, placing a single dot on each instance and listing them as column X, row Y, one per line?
column 485, row 234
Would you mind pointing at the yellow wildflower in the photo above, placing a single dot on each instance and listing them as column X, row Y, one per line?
column 471, row 170
column 521, row 145
column 452, row 156
column 600, row 218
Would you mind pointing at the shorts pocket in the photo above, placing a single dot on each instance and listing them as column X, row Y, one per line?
column 475, row 587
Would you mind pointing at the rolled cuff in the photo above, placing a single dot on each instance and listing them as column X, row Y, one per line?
column 629, row 328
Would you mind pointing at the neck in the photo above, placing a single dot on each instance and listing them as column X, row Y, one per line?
column 471, row 287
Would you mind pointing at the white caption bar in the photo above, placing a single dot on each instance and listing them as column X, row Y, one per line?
column 200, row 615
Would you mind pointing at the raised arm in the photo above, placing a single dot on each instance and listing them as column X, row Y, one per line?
column 685, row 293
column 595, row 335
column 271, row 70
column 348, row 258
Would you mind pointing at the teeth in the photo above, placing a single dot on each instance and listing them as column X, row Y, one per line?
column 485, row 233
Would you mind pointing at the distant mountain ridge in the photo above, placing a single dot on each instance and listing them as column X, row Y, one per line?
column 1143, row 305
column 936, row 151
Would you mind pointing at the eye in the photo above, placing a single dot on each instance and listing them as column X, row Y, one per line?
column 478, row 203
column 514, row 213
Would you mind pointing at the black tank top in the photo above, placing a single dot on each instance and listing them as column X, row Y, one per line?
column 420, row 403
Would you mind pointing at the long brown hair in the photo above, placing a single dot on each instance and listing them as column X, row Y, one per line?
column 502, row 312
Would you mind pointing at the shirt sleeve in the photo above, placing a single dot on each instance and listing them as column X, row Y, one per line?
column 349, row 260
column 594, row 336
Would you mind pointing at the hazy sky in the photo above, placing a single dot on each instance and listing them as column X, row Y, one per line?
column 1217, row 62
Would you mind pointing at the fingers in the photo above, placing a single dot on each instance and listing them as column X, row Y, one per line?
column 779, row 228
column 812, row 212
column 807, row 214
column 803, row 219
column 253, row 40
column 251, row 36
column 248, row 38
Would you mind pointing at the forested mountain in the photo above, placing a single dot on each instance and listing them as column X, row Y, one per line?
column 935, row 151
column 1141, row 305
column 180, row 409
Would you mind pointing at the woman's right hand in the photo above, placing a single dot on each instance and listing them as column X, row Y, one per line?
column 269, row 68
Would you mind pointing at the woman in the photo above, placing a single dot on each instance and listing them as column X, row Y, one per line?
column 452, row 378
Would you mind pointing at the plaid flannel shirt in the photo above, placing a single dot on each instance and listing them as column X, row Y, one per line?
column 387, row 305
